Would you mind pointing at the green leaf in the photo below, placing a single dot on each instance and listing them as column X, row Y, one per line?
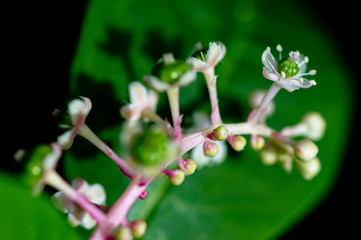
column 26, row 217
column 240, row 199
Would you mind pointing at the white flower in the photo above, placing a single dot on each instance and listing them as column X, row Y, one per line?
column 78, row 110
column 76, row 215
column 203, row 59
column 140, row 99
column 169, row 73
column 287, row 73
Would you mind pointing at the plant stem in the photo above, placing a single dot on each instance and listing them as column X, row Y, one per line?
column 212, row 89
column 173, row 98
column 194, row 139
column 117, row 213
column 88, row 134
column 54, row 180
column 154, row 117
column 256, row 114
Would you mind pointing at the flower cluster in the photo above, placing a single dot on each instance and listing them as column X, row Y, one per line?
column 151, row 144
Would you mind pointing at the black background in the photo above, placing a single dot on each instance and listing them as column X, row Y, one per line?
column 40, row 40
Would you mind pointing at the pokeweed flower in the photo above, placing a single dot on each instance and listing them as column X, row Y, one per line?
column 204, row 58
column 140, row 99
column 169, row 73
column 94, row 193
column 147, row 148
column 78, row 110
column 287, row 72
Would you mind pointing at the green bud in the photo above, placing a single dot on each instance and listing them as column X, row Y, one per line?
column 288, row 66
column 34, row 168
column 176, row 177
column 124, row 233
column 210, row 149
column 138, row 228
column 150, row 146
column 220, row 133
column 170, row 71
column 190, row 166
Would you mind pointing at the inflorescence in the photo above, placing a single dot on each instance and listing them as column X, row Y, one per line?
column 153, row 143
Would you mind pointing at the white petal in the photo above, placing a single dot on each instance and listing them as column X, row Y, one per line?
column 138, row 93
column 152, row 99
column 66, row 139
column 187, row 78
column 131, row 112
column 274, row 76
column 87, row 221
column 76, row 109
column 215, row 53
column 222, row 152
column 156, row 83
column 96, row 194
column 268, row 60
column 197, row 64
column 80, row 185
column 52, row 158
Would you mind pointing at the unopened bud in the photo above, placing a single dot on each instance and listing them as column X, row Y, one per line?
column 286, row 161
column 257, row 142
column 176, row 176
column 305, row 150
column 237, row 142
column 124, row 233
column 309, row 169
column 138, row 228
column 189, row 166
column 268, row 156
column 220, row 133
column 210, row 149
column 316, row 125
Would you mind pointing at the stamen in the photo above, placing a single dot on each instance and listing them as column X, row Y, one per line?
column 279, row 49
column 305, row 60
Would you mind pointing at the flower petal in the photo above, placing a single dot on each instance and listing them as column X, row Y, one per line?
column 96, row 194
column 215, row 53
column 156, row 83
column 274, row 76
column 138, row 93
column 152, row 99
column 268, row 60
column 131, row 111
column 197, row 64
column 187, row 78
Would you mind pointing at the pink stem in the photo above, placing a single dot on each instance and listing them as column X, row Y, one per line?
column 256, row 114
column 88, row 134
column 212, row 89
column 117, row 213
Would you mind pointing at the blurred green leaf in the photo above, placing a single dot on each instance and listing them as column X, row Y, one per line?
column 121, row 40
column 26, row 217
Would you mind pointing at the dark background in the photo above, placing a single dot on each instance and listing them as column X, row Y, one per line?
column 40, row 43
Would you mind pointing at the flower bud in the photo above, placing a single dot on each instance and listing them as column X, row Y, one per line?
column 257, row 142
column 176, row 176
column 316, row 125
column 268, row 156
column 189, row 166
column 237, row 142
column 309, row 169
column 138, row 228
column 210, row 149
column 305, row 150
column 286, row 161
column 124, row 233
column 220, row 133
